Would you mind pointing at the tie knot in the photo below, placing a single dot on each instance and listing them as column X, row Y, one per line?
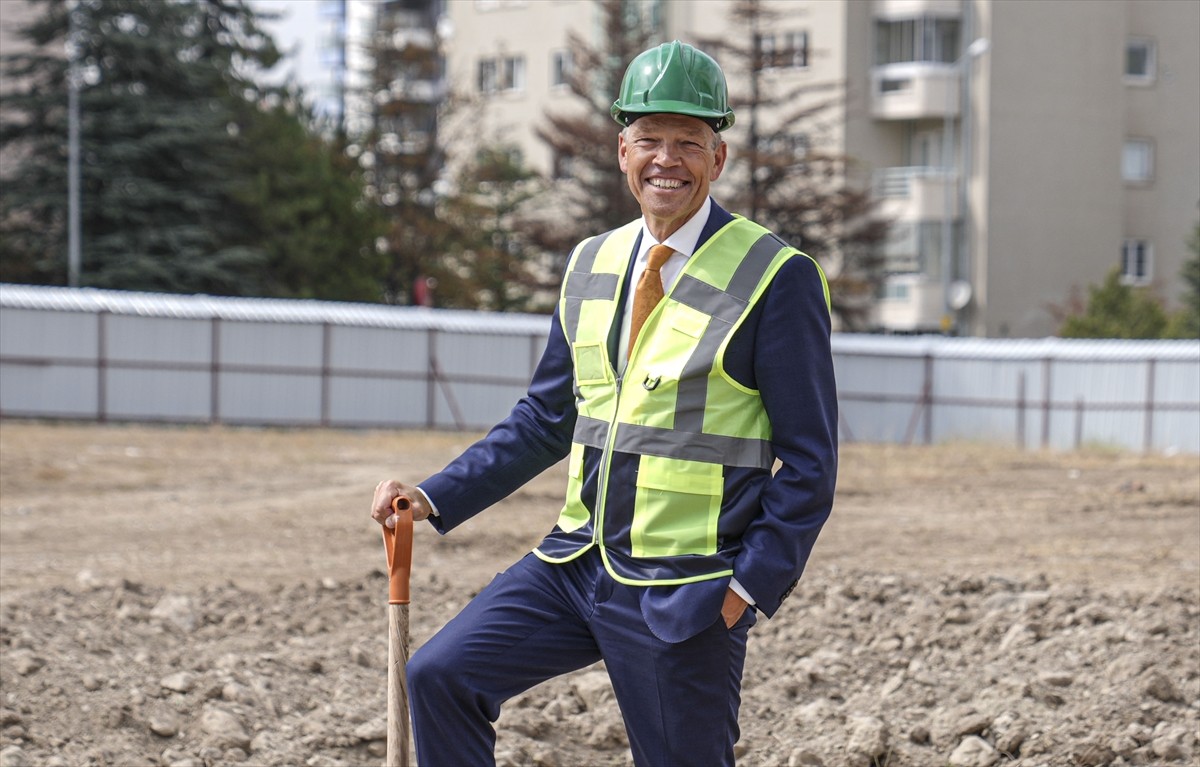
column 658, row 256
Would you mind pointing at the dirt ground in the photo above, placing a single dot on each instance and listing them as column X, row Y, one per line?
column 193, row 596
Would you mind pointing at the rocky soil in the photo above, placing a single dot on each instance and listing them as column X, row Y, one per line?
column 201, row 596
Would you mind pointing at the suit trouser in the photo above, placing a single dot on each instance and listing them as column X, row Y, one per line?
column 536, row 621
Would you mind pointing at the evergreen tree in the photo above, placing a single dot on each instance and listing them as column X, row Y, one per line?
column 301, row 201
column 1186, row 322
column 159, row 155
column 1116, row 310
column 780, row 175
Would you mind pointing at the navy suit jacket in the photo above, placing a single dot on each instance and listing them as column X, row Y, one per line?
column 783, row 351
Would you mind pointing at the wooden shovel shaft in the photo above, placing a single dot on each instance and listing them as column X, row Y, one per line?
column 397, row 541
column 397, row 726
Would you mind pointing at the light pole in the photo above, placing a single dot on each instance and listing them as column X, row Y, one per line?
column 74, row 254
column 960, row 69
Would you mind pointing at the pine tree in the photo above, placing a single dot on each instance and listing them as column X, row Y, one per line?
column 159, row 150
column 301, row 202
column 1117, row 310
column 1186, row 323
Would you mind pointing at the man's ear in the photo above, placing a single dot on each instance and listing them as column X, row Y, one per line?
column 719, row 165
column 621, row 149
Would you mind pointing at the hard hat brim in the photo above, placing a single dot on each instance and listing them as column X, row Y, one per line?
column 719, row 121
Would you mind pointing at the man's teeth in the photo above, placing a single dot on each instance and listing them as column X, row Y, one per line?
column 663, row 183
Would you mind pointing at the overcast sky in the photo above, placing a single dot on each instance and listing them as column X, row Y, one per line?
column 296, row 33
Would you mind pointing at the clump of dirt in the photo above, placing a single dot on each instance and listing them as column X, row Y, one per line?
column 221, row 599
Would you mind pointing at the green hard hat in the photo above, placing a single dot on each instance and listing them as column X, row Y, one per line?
column 677, row 79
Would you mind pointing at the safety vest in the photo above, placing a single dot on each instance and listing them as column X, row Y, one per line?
column 675, row 420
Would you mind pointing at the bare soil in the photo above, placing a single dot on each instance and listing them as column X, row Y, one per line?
column 193, row 596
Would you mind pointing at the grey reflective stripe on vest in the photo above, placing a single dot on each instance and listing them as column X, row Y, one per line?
column 591, row 432
column 582, row 285
column 707, row 448
column 725, row 307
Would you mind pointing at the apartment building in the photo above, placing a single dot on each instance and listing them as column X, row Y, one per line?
column 1022, row 148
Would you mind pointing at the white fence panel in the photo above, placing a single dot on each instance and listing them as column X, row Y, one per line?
column 110, row 355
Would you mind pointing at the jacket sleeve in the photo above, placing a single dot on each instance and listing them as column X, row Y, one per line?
column 534, row 436
column 793, row 371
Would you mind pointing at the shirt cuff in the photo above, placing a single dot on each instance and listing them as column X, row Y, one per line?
column 738, row 589
column 432, row 506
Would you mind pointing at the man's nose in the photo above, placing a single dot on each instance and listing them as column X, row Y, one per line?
column 668, row 154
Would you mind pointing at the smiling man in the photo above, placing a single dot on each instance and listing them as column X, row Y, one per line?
column 688, row 381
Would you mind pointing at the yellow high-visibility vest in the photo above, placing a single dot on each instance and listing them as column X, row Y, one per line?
column 675, row 408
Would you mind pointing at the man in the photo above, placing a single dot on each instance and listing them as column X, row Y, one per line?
column 675, row 533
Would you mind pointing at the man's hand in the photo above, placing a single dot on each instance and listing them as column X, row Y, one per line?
column 733, row 609
column 385, row 491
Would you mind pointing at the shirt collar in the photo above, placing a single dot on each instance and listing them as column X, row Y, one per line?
column 684, row 239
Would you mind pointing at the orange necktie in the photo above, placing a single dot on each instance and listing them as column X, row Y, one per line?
column 649, row 291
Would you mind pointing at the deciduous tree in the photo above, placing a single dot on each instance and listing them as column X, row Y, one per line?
column 783, row 171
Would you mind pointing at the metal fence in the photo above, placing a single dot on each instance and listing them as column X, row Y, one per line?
column 109, row 355
column 1045, row 393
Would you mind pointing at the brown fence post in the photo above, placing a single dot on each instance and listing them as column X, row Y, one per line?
column 326, row 355
column 214, row 394
column 430, row 378
column 928, row 399
column 1021, row 410
column 1149, row 432
column 1047, row 370
column 1078, row 422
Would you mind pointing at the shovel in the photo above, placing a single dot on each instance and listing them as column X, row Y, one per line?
column 398, row 543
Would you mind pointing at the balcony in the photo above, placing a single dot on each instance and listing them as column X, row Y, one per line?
column 904, row 9
column 916, row 193
column 914, row 90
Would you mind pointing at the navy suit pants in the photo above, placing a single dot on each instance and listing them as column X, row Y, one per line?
column 535, row 621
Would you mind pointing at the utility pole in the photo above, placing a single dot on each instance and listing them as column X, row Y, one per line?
column 74, row 253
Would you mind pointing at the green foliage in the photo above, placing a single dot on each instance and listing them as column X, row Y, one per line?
column 189, row 183
column 1116, row 310
column 301, row 198
column 1186, row 322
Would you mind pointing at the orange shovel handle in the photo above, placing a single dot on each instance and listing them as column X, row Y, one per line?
column 398, row 543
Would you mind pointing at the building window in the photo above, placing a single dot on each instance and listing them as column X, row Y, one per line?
column 561, row 67
column 1137, row 262
column 787, row 50
column 1140, row 61
column 927, row 38
column 487, row 75
column 506, row 73
column 893, row 291
column 513, row 71
column 1137, row 161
